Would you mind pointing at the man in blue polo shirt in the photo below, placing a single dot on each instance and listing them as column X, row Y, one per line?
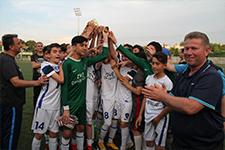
column 197, row 123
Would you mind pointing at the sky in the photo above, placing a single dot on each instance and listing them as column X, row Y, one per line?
column 132, row 21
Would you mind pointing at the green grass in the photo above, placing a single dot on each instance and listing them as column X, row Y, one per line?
column 26, row 132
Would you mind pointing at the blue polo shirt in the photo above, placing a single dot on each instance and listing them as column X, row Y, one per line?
column 203, row 130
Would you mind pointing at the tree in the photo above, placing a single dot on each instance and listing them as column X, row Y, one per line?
column 30, row 45
column 174, row 51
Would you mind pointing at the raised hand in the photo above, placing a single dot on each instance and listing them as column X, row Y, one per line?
column 112, row 37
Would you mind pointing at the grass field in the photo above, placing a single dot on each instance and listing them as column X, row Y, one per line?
column 26, row 133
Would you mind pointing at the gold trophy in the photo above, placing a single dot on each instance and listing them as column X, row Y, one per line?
column 91, row 25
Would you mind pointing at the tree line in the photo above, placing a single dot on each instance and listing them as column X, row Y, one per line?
column 218, row 50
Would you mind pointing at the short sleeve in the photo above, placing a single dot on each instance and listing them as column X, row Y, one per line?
column 180, row 68
column 48, row 70
column 208, row 90
column 168, row 84
column 32, row 58
column 10, row 69
column 223, row 79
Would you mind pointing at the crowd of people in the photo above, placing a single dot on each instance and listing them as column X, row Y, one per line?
column 114, row 96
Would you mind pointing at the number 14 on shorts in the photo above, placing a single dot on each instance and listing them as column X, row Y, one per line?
column 39, row 125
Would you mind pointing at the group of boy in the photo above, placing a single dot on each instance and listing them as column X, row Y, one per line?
column 134, row 93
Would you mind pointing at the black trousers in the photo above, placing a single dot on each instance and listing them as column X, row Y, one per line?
column 177, row 147
column 10, row 126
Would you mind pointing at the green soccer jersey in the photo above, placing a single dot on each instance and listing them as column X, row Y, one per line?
column 73, row 91
column 140, row 62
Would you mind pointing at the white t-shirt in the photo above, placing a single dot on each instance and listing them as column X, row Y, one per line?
column 153, row 108
column 49, row 97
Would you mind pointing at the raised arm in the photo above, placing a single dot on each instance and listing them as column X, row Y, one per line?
column 140, row 62
column 103, row 55
column 116, row 69
column 135, row 90
column 59, row 77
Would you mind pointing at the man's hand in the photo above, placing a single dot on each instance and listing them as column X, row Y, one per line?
column 155, row 92
column 42, row 80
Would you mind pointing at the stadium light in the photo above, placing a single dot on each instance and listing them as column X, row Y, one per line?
column 78, row 15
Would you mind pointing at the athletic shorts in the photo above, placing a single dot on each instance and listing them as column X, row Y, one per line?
column 80, row 113
column 91, row 103
column 123, row 109
column 158, row 133
column 45, row 120
column 108, row 111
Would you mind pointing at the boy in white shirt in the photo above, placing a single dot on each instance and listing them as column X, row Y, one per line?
column 47, row 109
column 156, row 113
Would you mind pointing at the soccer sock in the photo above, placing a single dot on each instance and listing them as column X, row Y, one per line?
column 144, row 144
column 98, row 120
column 129, row 140
column 138, row 142
column 80, row 140
column 89, row 142
column 93, row 132
column 104, row 130
column 150, row 148
column 46, row 138
column 112, row 131
column 52, row 143
column 65, row 144
column 36, row 144
column 124, row 136
column 74, row 141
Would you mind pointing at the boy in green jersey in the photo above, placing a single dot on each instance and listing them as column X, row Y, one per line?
column 74, row 88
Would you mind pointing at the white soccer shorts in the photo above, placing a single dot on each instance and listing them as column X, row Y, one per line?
column 45, row 120
column 158, row 133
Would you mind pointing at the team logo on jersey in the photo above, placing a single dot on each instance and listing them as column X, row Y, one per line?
column 109, row 76
column 79, row 78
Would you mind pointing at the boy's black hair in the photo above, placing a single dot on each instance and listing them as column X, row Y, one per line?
column 63, row 47
column 45, row 48
column 138, row 47
column 157, row 45
column 128, row 45
column 141, row 52
column 49, row 48
column 78, row 39
column 7, row 40
column 161, row 57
